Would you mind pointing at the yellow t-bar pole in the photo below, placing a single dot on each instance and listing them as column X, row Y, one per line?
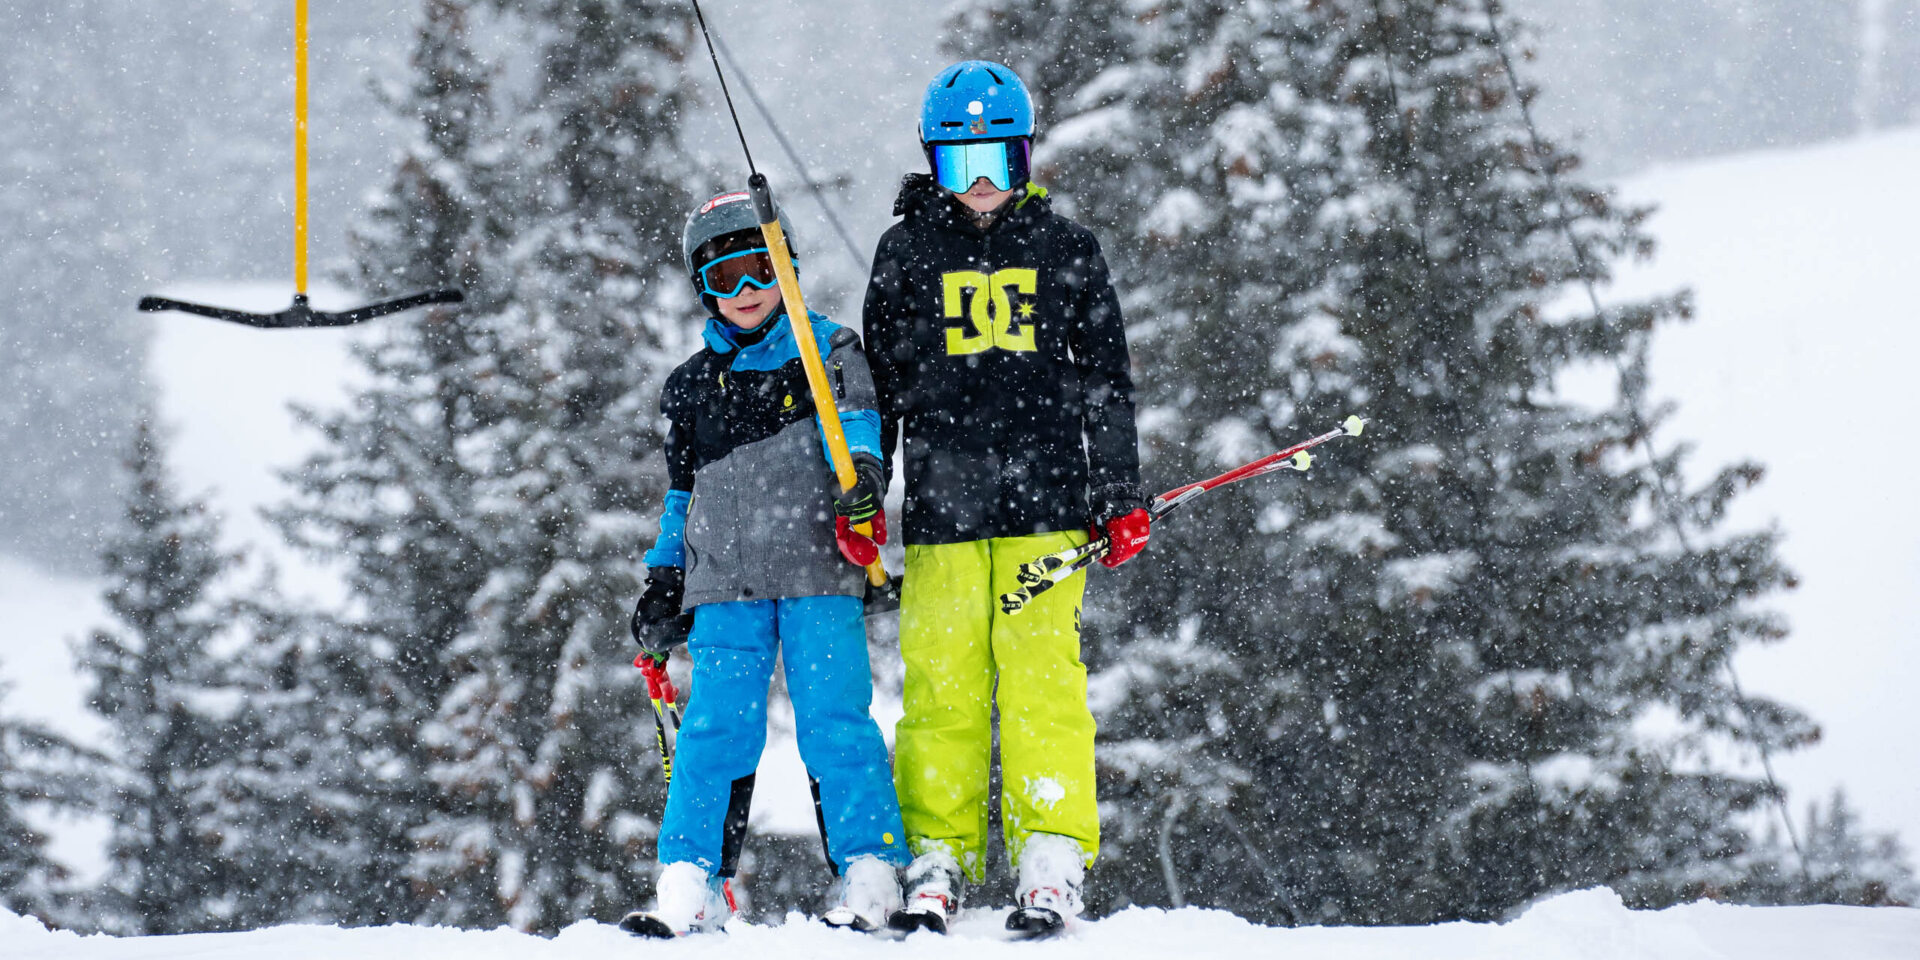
column 823, row 402
column 300, row 147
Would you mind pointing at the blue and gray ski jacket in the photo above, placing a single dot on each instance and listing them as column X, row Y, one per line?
column 749, row 511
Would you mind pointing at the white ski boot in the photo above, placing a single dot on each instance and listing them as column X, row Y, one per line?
column 864, row 896
column 688, row 901
column 933, row 893
column 1052, row 868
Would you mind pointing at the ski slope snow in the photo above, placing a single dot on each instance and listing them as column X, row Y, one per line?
column 1802, row 356
column 1588, row 925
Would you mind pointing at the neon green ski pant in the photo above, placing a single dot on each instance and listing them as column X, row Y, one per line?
column 957, row 643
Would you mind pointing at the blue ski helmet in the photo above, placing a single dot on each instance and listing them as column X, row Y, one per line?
column 975, row 100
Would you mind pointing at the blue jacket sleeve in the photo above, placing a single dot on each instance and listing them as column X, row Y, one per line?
column 862, row 428
column 671, row 549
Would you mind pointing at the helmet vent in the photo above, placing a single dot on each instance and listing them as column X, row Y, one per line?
column 995, row 76
column 1001, row 120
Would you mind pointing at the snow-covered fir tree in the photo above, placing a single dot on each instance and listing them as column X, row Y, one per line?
column 319, row 794
column 1410, row 685
column 41, row 771
column 28, row 876
column 165, row 694
column 1842, row 863
column 491, row 490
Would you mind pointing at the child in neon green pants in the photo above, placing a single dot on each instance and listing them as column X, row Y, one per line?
column 957, row 644
column 1000, row 356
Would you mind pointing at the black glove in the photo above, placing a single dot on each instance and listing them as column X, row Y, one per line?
column 658, row 625
column 1112, row 501
column 862, row 503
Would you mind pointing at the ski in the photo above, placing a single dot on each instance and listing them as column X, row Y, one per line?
column 848, row 920
column 914, row 921
column 646, row 926
column 1040, row 575
column 1034, row 923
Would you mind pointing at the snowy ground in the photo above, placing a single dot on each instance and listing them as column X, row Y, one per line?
column 1799, row 357
column 1578, row 926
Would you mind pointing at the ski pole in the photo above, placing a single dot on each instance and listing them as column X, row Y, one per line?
column 796, row 306
column 666, row 709
column 1044, row 573
column 1040, row 575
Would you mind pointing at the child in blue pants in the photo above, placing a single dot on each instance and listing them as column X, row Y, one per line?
column 757, row 542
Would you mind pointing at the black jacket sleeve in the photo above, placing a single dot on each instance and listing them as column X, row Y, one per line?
column 888, row 340
column 678, row 409
column 1098, row 339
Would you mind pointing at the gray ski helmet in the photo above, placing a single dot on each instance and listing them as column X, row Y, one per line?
column 723, row 214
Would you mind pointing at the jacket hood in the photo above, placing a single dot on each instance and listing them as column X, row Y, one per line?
column 921, row 199
column 724, row 337
column 772, row 348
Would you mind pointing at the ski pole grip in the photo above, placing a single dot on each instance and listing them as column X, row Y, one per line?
column 762, row 197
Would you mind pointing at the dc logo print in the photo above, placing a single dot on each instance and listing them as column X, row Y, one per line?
column 992, row 318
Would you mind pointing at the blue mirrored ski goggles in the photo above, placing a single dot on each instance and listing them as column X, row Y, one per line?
column 726, row 276
column 1003, row 162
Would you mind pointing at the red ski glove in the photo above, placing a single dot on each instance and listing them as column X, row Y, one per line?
column 1126, row 536
column 861, row 504
column 860, row 550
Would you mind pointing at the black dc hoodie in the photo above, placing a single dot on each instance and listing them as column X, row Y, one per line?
column 1002, row 355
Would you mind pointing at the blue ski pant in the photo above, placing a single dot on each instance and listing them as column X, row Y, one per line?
column 831, row 685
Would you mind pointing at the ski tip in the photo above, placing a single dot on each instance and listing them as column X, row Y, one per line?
column 1034, row 923
column 646, row 926
column 1302, row 461
column 904, row 922
column 843, row 919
